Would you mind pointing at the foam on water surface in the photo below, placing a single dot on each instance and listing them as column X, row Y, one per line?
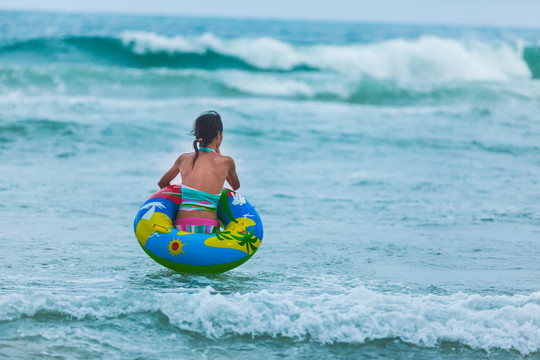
column 356, row 317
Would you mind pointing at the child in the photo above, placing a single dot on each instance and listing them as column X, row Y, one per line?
column 203, row 173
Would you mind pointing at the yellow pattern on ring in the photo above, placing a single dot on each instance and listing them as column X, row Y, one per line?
column 158, row 222
column 175, row 247
column 238, row 228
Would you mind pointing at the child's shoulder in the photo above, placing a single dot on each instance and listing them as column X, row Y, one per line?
column 224, row 159
column 183, row 157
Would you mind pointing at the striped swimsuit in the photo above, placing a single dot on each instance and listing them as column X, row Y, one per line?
column 192, row 200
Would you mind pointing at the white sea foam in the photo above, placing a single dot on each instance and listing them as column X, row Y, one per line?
column 171, row 83
column 481, row 322
column 426, row 58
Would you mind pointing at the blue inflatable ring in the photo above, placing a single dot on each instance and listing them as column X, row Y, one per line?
column 239, row 239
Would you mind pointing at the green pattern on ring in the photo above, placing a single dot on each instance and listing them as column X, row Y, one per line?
column 224, row 206
column 200, row 269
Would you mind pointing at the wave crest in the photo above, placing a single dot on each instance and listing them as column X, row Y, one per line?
column 362, row 315
column 427, row 58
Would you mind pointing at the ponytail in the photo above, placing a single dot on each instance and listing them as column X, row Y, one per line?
column 196, row 152
column 206, row 128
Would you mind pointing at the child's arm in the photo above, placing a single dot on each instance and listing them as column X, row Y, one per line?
column 170, row 174
column 232, row 177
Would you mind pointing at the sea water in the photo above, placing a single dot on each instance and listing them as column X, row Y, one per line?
column 396, row 170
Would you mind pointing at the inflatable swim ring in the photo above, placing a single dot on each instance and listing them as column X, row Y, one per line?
column 198, row 253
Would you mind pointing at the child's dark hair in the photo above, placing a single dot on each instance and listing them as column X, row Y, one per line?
column 206, row 127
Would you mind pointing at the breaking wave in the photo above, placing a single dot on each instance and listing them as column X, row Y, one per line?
column 159, row 83
column 480, row 322
column 427, row 58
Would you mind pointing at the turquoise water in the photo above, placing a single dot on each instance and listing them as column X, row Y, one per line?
column 396, row 170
